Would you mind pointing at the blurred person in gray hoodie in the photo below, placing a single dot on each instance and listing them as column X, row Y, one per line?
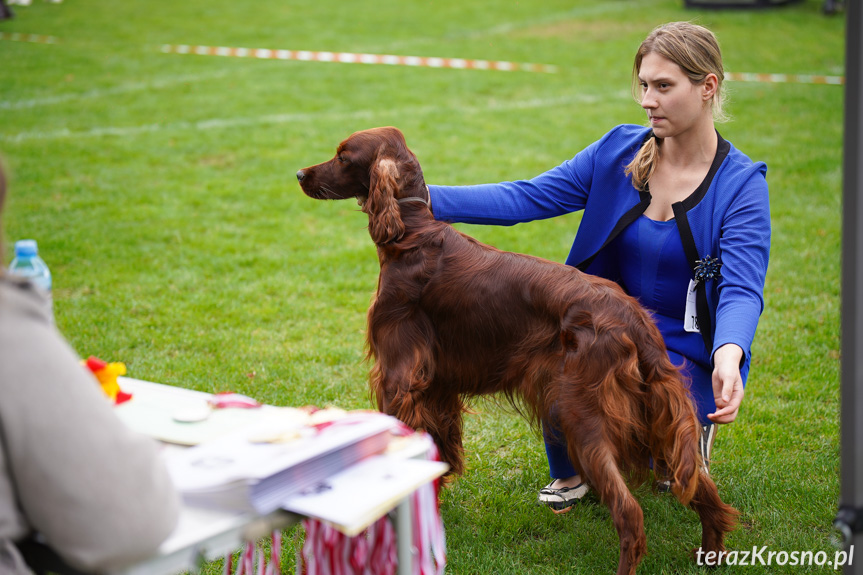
column 76, row 484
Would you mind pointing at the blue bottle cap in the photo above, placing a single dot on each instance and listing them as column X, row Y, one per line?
column 26, row 248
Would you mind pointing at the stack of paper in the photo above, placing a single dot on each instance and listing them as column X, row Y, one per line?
column 260, row 470
column 355, row 498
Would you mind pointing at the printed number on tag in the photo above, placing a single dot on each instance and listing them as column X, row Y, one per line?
column 690, row 321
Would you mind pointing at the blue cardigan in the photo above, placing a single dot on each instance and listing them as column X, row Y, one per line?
column 727, row 218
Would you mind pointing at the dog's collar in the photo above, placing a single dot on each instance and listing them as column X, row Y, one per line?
column 413, row 199
column 426, row 200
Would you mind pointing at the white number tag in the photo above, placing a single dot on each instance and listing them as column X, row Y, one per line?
column 690, row 320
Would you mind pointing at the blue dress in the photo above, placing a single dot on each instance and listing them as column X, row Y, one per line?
column 644, row 248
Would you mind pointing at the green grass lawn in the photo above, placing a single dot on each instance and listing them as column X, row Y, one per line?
column 161, row 190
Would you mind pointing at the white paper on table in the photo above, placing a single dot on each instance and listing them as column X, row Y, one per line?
column 355, row 498
column 152, row 407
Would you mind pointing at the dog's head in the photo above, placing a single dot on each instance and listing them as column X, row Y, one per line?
column 375, row 167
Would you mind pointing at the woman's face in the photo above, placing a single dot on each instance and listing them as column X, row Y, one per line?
column 674, row 105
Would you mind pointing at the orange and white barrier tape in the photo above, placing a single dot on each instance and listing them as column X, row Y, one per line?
column 352, row 58
column 35, row 38
column 458, row 63
column 418, row 61
column 785, row 78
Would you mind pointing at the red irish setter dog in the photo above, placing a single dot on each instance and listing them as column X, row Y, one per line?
column 454, row 319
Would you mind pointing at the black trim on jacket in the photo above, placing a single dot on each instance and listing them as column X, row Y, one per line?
column 680, row 209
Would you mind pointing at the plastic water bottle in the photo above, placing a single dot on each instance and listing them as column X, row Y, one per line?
column 28, row 264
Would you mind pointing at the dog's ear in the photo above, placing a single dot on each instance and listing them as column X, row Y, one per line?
column 385, row 222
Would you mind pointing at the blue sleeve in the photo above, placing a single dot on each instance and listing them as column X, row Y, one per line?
column 558, row 191
column 745, row 250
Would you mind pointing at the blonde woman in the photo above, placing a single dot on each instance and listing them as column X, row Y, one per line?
column 673, row 212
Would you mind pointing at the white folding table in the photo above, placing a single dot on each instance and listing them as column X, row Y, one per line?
column 203, row 534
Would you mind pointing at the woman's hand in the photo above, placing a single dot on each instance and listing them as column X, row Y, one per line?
column 727, row 383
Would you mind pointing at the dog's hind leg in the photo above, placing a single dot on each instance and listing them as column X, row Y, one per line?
column 594, row 434
column 602, row 473
column 596, row 459
column 717, row 518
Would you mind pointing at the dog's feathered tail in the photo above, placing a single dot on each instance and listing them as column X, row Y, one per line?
column 639, row 392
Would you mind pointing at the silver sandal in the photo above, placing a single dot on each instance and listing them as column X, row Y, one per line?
column 561, row 499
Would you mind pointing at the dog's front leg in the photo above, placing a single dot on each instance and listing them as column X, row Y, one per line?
column 401, row 346
column 405, row 391
column 402, row 382
column 395, row 385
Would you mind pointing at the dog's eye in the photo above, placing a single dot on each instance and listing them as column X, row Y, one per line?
column 342, row 159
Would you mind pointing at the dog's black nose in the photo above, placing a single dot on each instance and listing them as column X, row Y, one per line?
column 300, row 175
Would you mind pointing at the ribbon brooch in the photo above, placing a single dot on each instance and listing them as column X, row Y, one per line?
column 707, row 268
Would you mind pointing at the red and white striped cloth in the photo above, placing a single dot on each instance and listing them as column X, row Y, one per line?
column 327, row 551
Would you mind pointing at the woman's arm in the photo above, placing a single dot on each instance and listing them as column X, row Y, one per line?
column 727, row 383
column 745, row 251
column 545, row 196
column 561, row 190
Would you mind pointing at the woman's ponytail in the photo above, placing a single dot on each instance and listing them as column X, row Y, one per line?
column 642, row 165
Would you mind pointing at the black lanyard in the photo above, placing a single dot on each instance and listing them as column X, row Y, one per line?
column 702, row 310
